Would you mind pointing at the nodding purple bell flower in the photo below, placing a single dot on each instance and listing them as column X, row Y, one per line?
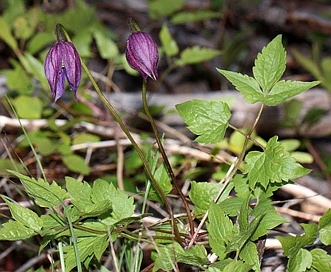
column 63, row 62
column 142, row 54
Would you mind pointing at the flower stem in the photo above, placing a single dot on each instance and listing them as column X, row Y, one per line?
column 165, row 157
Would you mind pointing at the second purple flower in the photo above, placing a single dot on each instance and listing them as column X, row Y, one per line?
column 142, row 54
column 63, row 62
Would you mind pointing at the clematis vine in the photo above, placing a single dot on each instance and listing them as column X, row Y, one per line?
column 142, row 54
column 63, row 62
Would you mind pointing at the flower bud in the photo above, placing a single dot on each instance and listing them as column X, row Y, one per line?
column 142, row 54
column 63, row 62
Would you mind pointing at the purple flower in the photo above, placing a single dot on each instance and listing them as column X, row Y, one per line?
column 63, row 62
column 142, row 54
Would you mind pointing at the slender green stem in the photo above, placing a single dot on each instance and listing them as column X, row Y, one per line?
column 165, row 157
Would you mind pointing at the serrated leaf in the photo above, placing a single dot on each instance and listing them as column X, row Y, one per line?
column 209, row 119
column 80, row 192
column 273, row 165
column 85, row 252
column 300, row 262
column 270, row 64
column 292, row 245
column 14, row 231
column 270, row 220
column 246, row 85
column 243, row 236
column 121, row 204
column 220, row 229
column 101, row 190
column 76, row 164
column 283, row 90
column 25, row 216
column 249, row 255
column 202, row 195
column 321, row 260
column 196, row 255
column 169, row 45
column 325, row 228
column 46, row 195
column 196, row 54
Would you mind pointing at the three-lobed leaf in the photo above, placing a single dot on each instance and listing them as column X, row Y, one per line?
column 275, row 164
column 208, row 119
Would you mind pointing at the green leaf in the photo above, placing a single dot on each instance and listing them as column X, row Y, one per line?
column 301, row 261
column 249, row 255
column 6, row 35
column 325, row 228
column 34, row 67
column 107, row 48
column 52, row 224
column 220, row 229
column 243, row 236
column 237, row 265
column 45, row 194
column 25, row 216
column 270, row 220
column 160, row 8
column 14, row 231
column 190, row 16
column 165, row 259
column 80, row 192
column 169, row 45
column 246, row 85
column 283, row 90
column 196, row 255
column 292, row 245
column 270, row 64
column 121, row 204
column 196, row 54
column 46, row 146
column 9, row 164
column 202, row 194
column 162, row 178
column 39, row 41
column 23, row 85
column 209, row 119
column 85, row 249
column 28, row 107
column 100, row 244
column 81, row 138
column 76, row 164
column 321, row 260
column 273, row 165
